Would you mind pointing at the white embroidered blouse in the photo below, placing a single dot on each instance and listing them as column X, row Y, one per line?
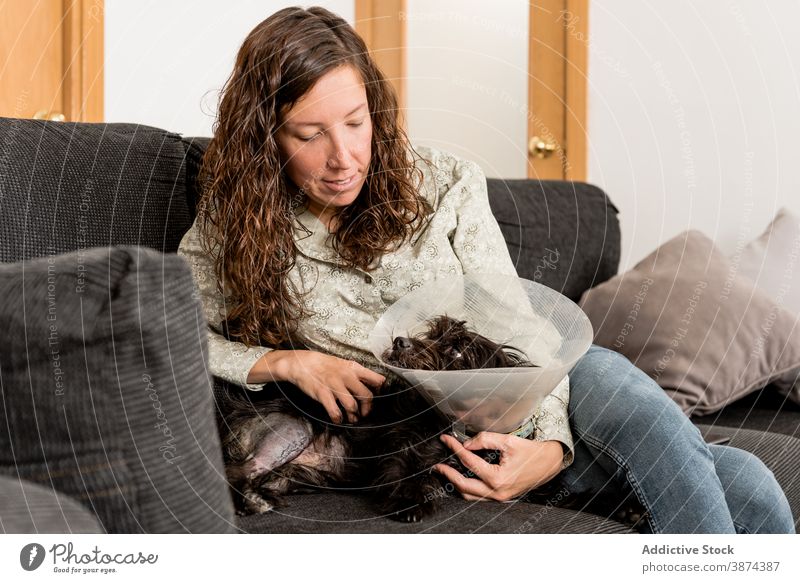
column 462, row 236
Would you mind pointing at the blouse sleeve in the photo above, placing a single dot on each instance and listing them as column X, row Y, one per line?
column 480, row 246
column 477, row 241
column 228, row 360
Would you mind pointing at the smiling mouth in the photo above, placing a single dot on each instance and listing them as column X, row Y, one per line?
column 340, row 185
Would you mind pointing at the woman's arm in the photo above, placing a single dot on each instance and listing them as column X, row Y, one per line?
column 228, row 360
column 552, row 421
column 327, row 379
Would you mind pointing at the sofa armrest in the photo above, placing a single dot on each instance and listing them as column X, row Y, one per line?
column 106, row 396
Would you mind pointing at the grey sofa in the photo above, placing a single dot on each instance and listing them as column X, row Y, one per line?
column 107, row 415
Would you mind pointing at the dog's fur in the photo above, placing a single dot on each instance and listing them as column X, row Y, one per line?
column 282, row 442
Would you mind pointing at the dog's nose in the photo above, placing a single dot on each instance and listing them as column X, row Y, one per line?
column 401, row 343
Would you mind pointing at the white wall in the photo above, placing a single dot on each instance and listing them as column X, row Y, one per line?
column 468, row 80
column 694, row 116
column 467, row 67
column 165, row 61
column 693, row 106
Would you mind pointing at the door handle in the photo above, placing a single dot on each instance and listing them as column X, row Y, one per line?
column 540, row 148
column 49, row 115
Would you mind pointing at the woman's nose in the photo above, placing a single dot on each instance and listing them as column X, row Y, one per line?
column 339, row 157
column 340, row 160
column 401, row 343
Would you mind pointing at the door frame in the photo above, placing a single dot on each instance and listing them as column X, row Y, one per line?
column 83, row 60
column 382, row 25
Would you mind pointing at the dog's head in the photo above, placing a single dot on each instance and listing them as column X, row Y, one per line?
column 448, row 344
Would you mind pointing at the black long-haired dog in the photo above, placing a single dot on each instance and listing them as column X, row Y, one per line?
column 281, row 441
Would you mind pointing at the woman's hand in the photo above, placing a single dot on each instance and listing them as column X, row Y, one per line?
column 524, row 465
column 326, row 379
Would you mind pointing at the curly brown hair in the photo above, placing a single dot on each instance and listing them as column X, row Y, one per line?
column 246, row 216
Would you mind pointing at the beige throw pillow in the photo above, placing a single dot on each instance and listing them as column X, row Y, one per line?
column 704, row 334
column 773, row 262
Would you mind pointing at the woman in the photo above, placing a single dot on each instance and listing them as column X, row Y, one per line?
column 317, row 215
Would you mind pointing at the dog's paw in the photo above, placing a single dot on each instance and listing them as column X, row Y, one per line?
column 255, row 503
column 413, row 513
column 632, row 515
column 414, row 508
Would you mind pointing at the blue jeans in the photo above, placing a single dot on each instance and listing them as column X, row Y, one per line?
column 631, row 438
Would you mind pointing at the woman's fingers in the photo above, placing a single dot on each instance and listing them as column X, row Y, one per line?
column 363, row 395
column 472, row 462
column 360, row 385
column 470, row 488
column 488, row 440
column 348, row 403
column 327, row 399
column 368, row 377
column 329, row 379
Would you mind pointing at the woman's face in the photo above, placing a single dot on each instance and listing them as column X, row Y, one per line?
column 326, row 142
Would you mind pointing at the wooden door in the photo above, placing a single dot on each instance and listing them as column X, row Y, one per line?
column 51, row 59
column 557, row 65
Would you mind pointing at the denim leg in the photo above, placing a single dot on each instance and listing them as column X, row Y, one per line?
column 630, row 435
column 756, row 501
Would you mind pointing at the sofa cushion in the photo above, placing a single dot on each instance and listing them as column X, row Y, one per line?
column 70, row 186
column 707, row 337
column 564, row 235
column 27, row 508
column 336, row 512
column 772, row 260
column 105, row 396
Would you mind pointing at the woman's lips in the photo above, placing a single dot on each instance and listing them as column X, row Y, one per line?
column 339, row 186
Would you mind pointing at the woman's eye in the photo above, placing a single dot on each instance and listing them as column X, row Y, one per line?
column 308, row 139
column 356, row 124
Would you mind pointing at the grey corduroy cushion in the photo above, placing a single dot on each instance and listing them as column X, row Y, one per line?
column 27, row 508
column 70, row 186
column 105, row 397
